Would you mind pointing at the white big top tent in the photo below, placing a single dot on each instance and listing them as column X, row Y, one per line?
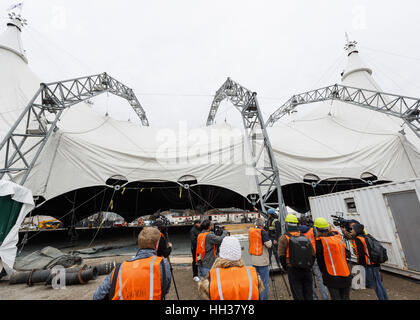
column 341, row 140
column 334, row 140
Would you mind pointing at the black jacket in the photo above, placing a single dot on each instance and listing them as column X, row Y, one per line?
column 164, row 250
column 361, row 254
column 360, row 249
column 194, row 232
column 273, row 234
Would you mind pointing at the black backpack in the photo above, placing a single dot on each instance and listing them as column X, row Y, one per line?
column 377, row 253
column 300, row 251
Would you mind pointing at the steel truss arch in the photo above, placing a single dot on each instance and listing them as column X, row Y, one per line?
column 266, row 172
column 52, row 99
column 405, row 108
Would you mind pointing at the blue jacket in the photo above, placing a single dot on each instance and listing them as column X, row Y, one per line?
column 103, row 290
column 303, row 228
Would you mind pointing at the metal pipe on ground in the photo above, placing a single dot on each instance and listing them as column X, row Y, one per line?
column 103, row 269
column 82, row 276
column 73, row 276
column 29, row 277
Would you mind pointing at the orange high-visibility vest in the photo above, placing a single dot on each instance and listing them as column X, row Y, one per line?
column 293, row 233
column 335, row 256
column 139, row 280
column 236, row 283
column 201, row 246
column 366, row 252
column 311, row 236
column 255, row 241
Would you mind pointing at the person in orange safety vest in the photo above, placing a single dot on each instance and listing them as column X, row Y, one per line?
column 229, row 278
column 207, row 246
column 357, row 235
column 331, row 258
column 309, row 231
column 259, row 245
column 145, row 277
column 300, row 278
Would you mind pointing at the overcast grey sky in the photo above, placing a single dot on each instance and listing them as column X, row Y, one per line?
column 176, row 54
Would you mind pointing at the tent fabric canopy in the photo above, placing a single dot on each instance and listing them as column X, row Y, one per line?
column 328, row 140
column 15, row 203
column 9, row 213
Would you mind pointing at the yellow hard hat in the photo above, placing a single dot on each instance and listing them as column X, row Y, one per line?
column 321, row 223
column 291, row 218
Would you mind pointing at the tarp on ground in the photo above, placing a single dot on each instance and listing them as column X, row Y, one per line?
column 46, row 258
column 107, row 251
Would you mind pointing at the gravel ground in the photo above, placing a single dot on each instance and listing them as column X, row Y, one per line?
column 398, row 288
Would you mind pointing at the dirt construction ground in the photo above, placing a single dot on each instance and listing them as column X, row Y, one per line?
column 398, row 288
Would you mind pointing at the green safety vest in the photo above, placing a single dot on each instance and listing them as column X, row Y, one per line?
column 272, row 226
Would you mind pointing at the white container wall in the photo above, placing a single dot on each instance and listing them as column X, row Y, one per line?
column 390, row 212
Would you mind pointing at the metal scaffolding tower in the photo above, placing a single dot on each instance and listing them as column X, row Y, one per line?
column 52, row 99
column 406, row 108
column 263, row 160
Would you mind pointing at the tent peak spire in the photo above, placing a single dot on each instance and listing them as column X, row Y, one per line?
column 15, row 16
column 354, row 63
column 350, row 46
column 11, row 39
column 16, row 20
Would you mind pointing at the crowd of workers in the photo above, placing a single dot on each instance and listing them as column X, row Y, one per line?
column 313, row 254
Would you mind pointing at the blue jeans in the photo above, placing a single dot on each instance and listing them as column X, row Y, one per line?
column 203, row 271
column 373, row 280
column 264, row 273
column 322, row 288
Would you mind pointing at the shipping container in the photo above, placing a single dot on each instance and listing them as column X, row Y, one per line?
column 390, row 212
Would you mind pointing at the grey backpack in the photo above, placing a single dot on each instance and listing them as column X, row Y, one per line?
column 377, row 253
column 300, row 251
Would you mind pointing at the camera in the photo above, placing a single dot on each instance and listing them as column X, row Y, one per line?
column 160, row 220
column 218, row 230
column 341, row 222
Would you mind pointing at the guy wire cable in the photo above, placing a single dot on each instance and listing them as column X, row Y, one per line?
column 102, row 222
column 71, row 210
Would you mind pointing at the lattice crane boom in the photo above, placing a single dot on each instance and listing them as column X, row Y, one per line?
column 406, row 108
column 266, row 170
column 52, row 99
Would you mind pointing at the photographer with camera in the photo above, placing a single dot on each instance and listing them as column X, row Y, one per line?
column 208, row 242
column 369, row 252
column 165, row 247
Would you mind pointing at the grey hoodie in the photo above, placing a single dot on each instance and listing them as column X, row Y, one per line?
column 211, row 240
